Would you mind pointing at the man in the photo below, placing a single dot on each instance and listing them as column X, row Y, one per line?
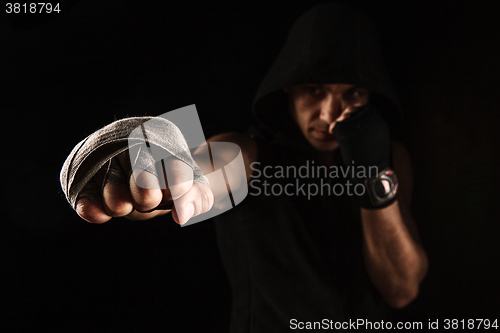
column 295, row 259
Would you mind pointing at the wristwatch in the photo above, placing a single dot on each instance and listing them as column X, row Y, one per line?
column 382, row 188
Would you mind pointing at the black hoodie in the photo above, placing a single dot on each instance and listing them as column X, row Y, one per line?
column 289, row 258
column 331, row 43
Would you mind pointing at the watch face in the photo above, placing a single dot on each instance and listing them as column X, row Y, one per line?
column 383, row 187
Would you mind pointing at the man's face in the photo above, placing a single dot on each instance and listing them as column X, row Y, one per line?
column 317, row 107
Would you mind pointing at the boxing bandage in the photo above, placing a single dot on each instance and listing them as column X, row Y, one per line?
column 365, row 143
column 91, row 163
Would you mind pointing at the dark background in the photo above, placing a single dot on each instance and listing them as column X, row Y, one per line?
column 63, row 76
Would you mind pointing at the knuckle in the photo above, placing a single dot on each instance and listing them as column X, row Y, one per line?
column 148, row 197
column 83, row 208
column 89, row 212
column 118, row 208
column 117, row 201
column 142, row 179
column 180, row 188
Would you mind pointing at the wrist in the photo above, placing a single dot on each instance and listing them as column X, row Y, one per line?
column 380, row 190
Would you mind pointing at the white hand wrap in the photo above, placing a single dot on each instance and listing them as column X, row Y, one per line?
column 91, row 163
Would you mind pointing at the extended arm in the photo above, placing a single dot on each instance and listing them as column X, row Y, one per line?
column 126, row 198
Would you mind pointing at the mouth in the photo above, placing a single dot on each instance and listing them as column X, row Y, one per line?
column 322, row 135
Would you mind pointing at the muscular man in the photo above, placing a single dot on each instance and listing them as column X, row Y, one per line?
column 326, row 101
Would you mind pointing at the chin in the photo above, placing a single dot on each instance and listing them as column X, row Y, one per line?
column 324, row 145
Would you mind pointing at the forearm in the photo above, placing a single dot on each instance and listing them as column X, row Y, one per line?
column 394, row 259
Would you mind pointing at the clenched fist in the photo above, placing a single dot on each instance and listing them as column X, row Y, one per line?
column 120, row 198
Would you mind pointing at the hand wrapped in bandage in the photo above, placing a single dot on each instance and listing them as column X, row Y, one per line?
column 110, row 174
column 365, row 143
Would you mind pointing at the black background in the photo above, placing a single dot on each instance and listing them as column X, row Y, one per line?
column 63, row 76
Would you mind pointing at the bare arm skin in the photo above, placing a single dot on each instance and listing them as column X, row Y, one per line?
column 394, row 257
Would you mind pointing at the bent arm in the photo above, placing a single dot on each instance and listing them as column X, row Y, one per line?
column 395, row 260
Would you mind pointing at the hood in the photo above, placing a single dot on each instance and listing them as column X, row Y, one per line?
column 330, row 43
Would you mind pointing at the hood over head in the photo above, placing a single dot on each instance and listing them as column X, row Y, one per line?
column 330, row 43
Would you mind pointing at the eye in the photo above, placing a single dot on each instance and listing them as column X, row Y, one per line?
column 353, row 92
column 356, row 94
column 312, row 90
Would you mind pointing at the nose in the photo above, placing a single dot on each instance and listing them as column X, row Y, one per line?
column 331, row 108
